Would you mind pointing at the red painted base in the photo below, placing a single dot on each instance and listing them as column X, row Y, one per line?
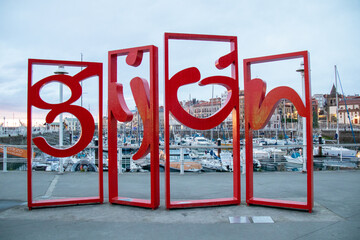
column 203, row 203
column 64, row 202
column 133, row 202
column 279, row 203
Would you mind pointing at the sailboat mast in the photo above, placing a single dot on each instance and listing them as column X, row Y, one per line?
column 347, row 110
column 337, row 107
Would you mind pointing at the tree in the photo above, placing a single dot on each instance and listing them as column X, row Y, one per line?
column 315, row 120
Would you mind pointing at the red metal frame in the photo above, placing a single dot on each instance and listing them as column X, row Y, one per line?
column 258, row 110
column 192, row 75
column 85, row 118
column 147, row 101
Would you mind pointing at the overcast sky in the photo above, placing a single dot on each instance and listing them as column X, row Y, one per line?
column 329, row 30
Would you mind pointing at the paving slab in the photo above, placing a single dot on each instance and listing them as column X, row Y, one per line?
column 336, row 213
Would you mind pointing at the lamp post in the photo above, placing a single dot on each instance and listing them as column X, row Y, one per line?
column 211, row 111
column 301, row 71
column 61, row 71
column 81, row 83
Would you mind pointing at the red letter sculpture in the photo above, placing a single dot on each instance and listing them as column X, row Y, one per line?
column 258, row 110
column 146, row 99
column 172, row 105
column 259, row 107
column 84, row 116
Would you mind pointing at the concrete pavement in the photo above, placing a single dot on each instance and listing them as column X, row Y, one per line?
column 336, row 212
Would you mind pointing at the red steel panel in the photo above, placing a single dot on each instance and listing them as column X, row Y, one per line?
column 258, row 110
column 172, row 105
column 147, row 101
column 204, row 202
column 67, row 201
column 85, row 118
column 137, row 202
column 279, row 203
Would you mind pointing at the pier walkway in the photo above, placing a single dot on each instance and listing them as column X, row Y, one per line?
column 336, row 213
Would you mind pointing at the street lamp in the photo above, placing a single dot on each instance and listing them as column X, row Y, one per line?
column 61, row 71
column 301, row 71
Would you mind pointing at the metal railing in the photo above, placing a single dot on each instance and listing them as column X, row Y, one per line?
column 6, row 160
column 127, row 159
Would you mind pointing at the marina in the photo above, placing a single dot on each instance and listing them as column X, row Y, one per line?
column 195, row 157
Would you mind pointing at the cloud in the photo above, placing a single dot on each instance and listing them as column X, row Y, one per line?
column 63, row 30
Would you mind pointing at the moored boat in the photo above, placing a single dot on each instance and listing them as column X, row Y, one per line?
column 295, row 160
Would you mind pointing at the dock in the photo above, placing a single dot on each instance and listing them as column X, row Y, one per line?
column 336, row 213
